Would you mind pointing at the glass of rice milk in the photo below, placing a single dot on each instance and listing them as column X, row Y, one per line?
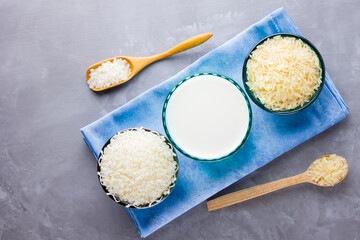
column 207, row 116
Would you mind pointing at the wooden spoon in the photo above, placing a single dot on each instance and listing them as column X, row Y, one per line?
column 138, row 63
column 249, row 193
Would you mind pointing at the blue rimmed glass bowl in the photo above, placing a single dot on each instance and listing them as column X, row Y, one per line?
column 165, row 124
column 294, row 110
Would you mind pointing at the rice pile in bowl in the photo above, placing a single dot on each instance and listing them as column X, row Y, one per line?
column 284, row 72
column 138, row 168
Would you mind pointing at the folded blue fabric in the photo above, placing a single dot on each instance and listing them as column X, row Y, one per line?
column 271, row 135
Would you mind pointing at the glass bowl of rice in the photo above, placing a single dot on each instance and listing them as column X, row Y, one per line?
column 283, row 73
column 138, row 168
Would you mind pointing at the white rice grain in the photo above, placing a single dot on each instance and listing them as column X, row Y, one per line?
column 109, row 73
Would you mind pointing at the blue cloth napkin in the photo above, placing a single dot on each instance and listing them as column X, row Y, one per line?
column 271, row 135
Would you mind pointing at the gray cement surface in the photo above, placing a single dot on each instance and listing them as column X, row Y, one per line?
column 48, row 184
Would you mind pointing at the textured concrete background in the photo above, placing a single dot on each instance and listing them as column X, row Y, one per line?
column 48, row 184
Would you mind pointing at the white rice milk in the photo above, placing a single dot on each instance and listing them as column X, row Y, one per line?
column 207, row 117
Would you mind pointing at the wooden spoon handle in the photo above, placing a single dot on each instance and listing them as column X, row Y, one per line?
column 249, row 193
column 185, row 45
